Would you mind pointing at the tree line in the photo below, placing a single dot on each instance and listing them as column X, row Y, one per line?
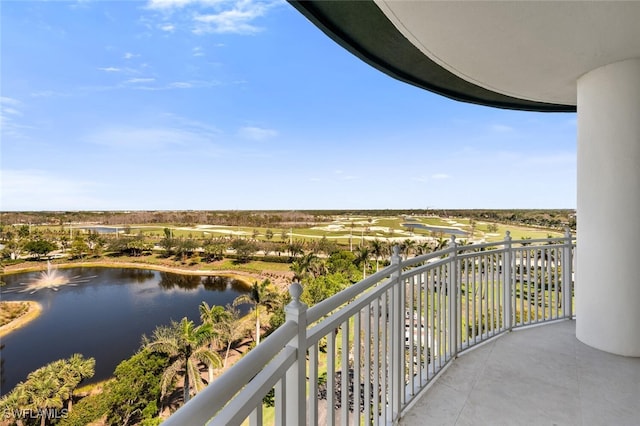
column 551, row 218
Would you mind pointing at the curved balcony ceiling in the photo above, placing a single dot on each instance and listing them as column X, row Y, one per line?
column 519, row 54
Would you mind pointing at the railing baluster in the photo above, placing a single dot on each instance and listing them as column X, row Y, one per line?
column 474, row 303
column 556, row 283
column 528, row 282
column 409, row 329
column 331, row 378
column 384, row 359
column 357, row 335
column 508, row 291
column 520, row 269
column 345, row 375
column 492, row 293
column 280, row 390
column 366, row 377
column 481, row 294
column 438, row 295
column 422, row 345
column 378, row 368
column 452, row 295
column 432, row 323
column 255, row 418
column 312, row 400
column 397, row 339
column 567, row 266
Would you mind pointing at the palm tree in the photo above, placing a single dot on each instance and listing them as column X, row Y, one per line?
column 304, row 266
column 408, row 246
column 73, row 371
column 213, row 316
column 230, row 329
column 43, row 391
column 424, row 247
column 49, row 387
column 441, row 243
column 377, row 249
column 187, row 347
column 15, row 401
column 362, row 258
column 260, row 296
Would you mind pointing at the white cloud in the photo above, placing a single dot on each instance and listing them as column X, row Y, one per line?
column 140, row 80
column 176, row 133
column 46, row 94
column 151, row 84
column 214, row 16
column 168, row 4
column 257, row 133
column 236, row 21
column 147, row 138
column 197, row 51
column 110, row 69
column 181, row 85
column 31, row 189
column 9, row 113
column 129, row 55
column 9, row 101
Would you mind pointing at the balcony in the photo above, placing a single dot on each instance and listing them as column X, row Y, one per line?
column 541, row 375
column 397, row 347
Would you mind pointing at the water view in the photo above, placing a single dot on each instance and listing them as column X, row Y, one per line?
column 100, row 313
column 445, row 231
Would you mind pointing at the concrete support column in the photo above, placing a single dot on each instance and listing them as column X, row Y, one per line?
column 608, row 241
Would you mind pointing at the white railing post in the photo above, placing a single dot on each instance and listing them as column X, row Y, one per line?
column 508, row 295
column 452, row 293
column 295, row 384
column 397, row 339
column 567, row 270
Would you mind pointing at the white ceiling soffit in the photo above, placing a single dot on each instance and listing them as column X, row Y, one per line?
column 534, row 50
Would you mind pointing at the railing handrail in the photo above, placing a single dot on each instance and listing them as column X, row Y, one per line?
column 324, row 307
column 266, row 364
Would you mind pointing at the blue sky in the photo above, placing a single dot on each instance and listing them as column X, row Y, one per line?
column 207, row 104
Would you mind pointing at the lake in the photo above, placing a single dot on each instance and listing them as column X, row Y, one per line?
column 102, row 229
column 103, row 316
column 445, row 231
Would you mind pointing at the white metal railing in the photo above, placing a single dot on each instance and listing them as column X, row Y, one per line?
column 361, row 356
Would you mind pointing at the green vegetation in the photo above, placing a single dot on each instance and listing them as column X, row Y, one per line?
column 325, row 251
column 186, row 346
column 260, row 297
column 49, row 389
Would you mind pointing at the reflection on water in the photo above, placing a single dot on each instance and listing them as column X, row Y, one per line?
column 137, row 275
column 105, row 317
column 185, row 282
column 216, row 283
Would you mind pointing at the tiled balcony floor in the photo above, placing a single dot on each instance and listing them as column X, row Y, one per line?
column 536, row 376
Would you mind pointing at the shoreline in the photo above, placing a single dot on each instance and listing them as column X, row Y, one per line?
column 33, row 311
column 238, row 275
